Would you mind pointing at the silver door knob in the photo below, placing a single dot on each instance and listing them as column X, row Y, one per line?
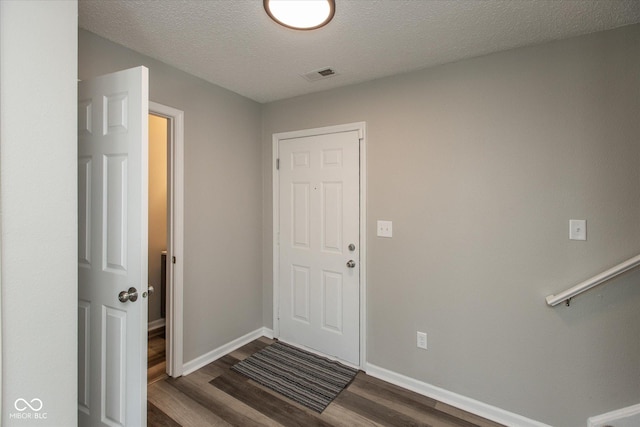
column 352, row 247
column 148, row 292
column 130, row 295
column 351, row 263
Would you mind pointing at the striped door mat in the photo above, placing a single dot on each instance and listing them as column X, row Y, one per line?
column 306, row 378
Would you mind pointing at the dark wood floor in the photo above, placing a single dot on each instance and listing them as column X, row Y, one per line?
column 216, row 396
column 156, row 356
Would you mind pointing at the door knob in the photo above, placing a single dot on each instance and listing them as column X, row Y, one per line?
column 351, row 263
column 149, row 292
column 352, row 247
column 130, row 295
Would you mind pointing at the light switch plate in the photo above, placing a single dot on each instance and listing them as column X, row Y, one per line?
column 385, row 228
column 421, row 340
column 577, row 229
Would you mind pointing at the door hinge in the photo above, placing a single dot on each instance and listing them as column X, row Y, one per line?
column 173, row 259
column 277, row 164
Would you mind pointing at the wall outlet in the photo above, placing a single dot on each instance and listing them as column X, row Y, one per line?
column 422, row 340
column 385, row 228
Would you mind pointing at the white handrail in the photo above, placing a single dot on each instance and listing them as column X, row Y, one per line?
column 566, row 296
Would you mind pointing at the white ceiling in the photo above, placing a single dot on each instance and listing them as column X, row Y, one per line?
column 234, row 44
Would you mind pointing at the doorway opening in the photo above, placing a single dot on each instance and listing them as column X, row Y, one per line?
column 319, row 306
column 166, row 229
column 159, row 138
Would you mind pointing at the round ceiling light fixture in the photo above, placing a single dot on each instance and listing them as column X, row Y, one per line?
column 301, row 14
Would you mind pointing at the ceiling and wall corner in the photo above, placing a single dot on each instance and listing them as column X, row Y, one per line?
column 234, row 44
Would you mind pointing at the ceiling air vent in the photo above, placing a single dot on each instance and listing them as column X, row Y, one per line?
column 321, row 74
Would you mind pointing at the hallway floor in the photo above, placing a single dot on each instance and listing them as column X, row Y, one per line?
column 216, row 395
column 156, row 356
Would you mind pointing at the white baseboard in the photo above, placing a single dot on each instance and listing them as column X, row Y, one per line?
column 625, row 417
column 159, row 323
column 214, row 355
column 268, row 333
column 465, row 403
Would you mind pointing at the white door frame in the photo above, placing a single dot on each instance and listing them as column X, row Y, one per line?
column 175, row 236
column 360, row 127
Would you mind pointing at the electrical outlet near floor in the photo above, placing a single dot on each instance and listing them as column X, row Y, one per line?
column 422, row 340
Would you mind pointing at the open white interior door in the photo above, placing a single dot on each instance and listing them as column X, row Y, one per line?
column 112, row 249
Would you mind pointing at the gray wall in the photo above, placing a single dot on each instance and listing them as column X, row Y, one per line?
column 223, row 195
column 38, row 195
column 480, row 164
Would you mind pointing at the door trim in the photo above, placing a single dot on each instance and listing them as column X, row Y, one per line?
column 175, row 237
column 360, row 127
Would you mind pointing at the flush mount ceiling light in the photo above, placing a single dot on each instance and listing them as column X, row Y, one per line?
column 301, row 14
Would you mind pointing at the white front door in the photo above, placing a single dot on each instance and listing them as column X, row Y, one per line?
column 319, row 225
column 112, row 249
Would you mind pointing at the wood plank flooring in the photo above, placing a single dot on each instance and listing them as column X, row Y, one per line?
column 216, row 396
column 156, row 356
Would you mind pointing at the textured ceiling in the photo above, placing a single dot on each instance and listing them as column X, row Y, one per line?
column 234, row 44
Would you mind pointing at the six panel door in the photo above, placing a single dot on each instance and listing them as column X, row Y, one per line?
column 319, row 269
column 112, row 249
